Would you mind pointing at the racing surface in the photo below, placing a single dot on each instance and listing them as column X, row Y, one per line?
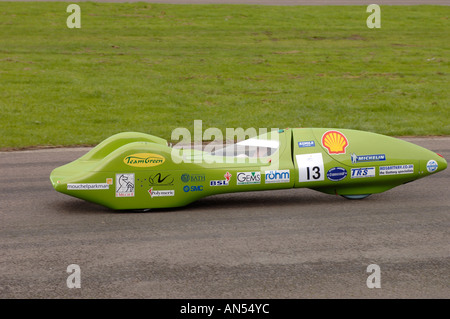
column 273, row 244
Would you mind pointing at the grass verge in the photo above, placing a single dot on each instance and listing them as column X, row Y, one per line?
column 155, row 67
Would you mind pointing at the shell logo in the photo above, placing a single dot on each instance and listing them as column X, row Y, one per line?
column 335, row 142
column 144, row 160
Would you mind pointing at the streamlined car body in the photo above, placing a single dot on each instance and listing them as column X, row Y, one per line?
column 140, row 171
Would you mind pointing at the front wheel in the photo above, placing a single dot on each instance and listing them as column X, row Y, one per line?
column 356, row 196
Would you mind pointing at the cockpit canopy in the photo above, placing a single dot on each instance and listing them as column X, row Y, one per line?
column 252, row 147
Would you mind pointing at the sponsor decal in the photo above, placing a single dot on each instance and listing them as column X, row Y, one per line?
column 396, row 169
column 161, row 193
column 109, row 181
column 277, row 176
column 246, row 178
column 432, row 165
column 306, row 144
column 219, row 183
column 224, row 182
column 160, row 180
column 144, row 160
column 362, row 172
column 367, row 158
column 125, row 185
column 310, row 167
column 336, row 174
column 335, row 142
column 87, row 186
column 193, row 178
column 194, row 188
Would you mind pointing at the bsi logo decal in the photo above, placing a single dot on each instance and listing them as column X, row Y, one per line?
column 220, row 182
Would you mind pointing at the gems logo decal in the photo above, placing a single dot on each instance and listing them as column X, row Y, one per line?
column 246, row 178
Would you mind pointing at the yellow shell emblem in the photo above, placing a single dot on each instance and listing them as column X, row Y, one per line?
column 335, row 142
column 144, row 160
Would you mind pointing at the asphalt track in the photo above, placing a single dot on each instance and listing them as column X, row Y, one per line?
column 274, row 244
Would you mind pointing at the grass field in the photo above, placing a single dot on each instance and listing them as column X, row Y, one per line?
column 153, row 68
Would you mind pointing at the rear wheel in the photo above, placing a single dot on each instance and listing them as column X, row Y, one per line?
column 356, row 196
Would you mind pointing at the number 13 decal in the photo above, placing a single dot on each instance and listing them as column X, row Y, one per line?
column 310, row 167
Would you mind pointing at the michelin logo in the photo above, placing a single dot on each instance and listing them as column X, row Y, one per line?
column 367, row 158
column 363, row 172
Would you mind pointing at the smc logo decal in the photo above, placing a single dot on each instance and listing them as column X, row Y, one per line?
column 192, row 188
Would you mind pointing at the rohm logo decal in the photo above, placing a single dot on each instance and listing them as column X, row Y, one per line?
column 144, row 160
column 277, row 176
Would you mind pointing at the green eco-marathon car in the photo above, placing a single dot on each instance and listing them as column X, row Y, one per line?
column 140, row 171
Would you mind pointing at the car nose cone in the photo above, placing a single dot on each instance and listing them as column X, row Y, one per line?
column 434, row 164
